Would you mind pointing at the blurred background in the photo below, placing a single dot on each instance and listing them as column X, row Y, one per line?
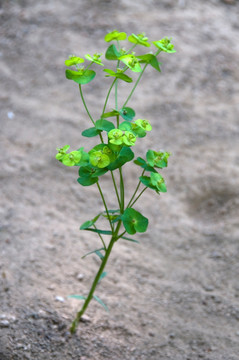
column 176, row 295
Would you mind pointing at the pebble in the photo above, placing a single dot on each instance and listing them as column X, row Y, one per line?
column 85, row 318
column 10, row 115
column 215, row 255
column 80, row 277
column 209, row 288
column 60, row 299
column 4, row 323
column 237, row 333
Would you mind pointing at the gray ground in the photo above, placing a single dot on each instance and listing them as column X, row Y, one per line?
column 176, row 295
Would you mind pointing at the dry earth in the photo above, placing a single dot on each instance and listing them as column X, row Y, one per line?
column 176, row 295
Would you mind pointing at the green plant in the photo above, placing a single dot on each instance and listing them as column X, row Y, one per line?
column 113, row 150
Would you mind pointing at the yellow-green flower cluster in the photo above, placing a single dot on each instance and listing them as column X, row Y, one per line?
column 100, row 157
column 70, row 159
column 119, row 137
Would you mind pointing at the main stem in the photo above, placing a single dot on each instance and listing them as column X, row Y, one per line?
column 93, row 287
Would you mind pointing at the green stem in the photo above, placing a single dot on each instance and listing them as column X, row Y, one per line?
column 121, row 191
column 137, row 188
column 87, row 110
column 93, row 287
column 139, row 196
column 115, row 186
column 106, row 208
column 132, row 91
column 101, row 238
column 83, row 100
column 107, row 97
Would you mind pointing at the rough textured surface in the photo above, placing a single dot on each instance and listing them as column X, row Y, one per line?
column 174, row 296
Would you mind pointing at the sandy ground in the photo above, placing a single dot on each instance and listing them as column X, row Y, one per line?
column 176, row 294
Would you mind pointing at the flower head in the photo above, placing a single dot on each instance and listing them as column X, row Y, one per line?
column 157, row 159
column 115, row 136
column 99, row 159
column 129, row 138
column 158, row 182
column 95, row 58
column 140, row 39
column 144, row 124
column 165, row 45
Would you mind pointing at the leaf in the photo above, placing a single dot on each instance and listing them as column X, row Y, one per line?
column 102, row 275
column 125, row 155
column 100, row 302
column 91, row 171
column 118, row 75
column 91, row 132
column 150, row 59
column 87, row 181
column 80, row 77
column 127, row 113
column 92, row 252
column 98, row 231
column 134, row 221
column 147, row 182
column 89, row 223
column 112, row 53
column 105, row 125
column 78, row 297
column 98, row 253
column 129, row 239
column 143, row 164
column 111, row 114
column 125, row 126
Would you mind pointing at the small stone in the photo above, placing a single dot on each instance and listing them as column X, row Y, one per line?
column 51, row 287
column 80, row 277
column 85, row 318
column 10, row 115
column 237, row 333
column 209, row 288
column 172, row 335
column 215, row 255
column 4, row 323
column 60, row 299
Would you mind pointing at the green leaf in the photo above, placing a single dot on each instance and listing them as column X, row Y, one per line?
column 105, row 125
column 102, row 275
column 100, row 302
column 110, row 114
column 78, row 297
column 129, row 239
column 91, row 132
column 125, row 126
column 147, row 182
column 118, row 75
column 127, row 113
column 80, row 77
column 125, row 155
column 91, row 171
column 115, row 35
column 89, row 223
column 150, row 59
column 134, row 221
column 87, row 181
column 112, row 53
column 92, row 252
column 98, row 253
column 98, row 231
column 143, row 164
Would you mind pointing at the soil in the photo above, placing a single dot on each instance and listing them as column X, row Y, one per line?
column 176, row 294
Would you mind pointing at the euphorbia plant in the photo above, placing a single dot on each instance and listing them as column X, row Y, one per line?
column 116, row 131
